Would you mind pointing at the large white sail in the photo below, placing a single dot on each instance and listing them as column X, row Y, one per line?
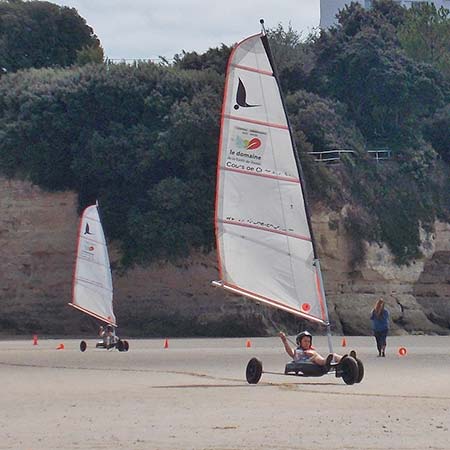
column 92, row 282
column 264, row 241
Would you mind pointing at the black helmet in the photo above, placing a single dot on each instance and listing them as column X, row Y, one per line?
column 301, row 335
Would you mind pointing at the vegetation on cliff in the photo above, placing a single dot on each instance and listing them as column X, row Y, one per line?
column 142, row 139
column 41, row 34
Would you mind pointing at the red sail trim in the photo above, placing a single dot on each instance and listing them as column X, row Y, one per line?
column 256, row 122
column 252, row 69
column 219, row 158
column 263, row 175
column 77, row 249
column 270, row 230
column 93, row 314
column 271, row 302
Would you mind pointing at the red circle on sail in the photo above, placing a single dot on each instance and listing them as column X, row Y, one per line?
column 306, row 307
column 254, row 144
column 91, row 248
column 402, row 351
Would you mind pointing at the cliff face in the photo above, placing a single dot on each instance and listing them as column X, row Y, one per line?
column 417, row 295
column 38, row 238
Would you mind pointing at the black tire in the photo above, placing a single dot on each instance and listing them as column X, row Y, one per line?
column 126, row 346
column 349, row 368
column 360, row 370
column 120, row 345
column 83, row 346
column 254, row 371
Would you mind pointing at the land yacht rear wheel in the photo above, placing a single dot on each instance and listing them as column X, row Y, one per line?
column 349, row 368
column 360, row 370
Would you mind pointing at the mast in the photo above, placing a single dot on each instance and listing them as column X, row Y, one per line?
column 265, row 42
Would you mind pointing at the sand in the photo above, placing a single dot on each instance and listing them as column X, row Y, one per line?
column 193, row 395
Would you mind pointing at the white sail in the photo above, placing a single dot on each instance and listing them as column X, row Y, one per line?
column 92, row 282
column 264, row 241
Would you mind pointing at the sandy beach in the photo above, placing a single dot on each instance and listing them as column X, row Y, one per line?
column 193, row 395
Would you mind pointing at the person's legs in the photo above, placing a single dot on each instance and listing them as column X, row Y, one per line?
column 383, row 336
column 321, row 361
column 379, row 343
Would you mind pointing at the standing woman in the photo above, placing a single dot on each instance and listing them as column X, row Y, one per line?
column 380, row 325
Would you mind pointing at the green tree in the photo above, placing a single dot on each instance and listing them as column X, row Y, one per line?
column 437, row 132
column 361, row 64
column 293, row 57
column 425, row 35
column 42, row 34
column 89, row 55
column 213, row 59
column 141, row 139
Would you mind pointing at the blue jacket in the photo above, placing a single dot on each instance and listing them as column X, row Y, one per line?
column 380, row 323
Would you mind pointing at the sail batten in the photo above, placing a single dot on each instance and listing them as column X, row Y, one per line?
column 263, row 175
column 269, row 230
column 252, row 69
column 256, row 122
column 92, row 291
column 264, row 240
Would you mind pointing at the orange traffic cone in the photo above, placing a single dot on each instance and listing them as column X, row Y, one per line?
column 248, row 344
column 166, row 343
column 35, row 339
column 344, row 342
column 60, row 347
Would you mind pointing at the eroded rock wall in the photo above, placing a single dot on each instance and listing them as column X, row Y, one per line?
column 417, row 295
column 38, row 238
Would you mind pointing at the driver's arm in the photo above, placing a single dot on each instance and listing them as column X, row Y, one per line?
column 287, row 347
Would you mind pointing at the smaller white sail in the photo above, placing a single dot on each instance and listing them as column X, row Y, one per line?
column 92, row 281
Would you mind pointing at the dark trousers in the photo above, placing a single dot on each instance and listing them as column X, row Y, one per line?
column 380, row 336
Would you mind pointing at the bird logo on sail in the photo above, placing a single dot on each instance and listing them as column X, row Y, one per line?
column 241, row 97
column 86, row 230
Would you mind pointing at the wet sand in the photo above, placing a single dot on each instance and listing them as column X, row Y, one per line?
column 193, row 395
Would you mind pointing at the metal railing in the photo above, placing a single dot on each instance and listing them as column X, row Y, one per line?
column 380, row 154
column 334, row 156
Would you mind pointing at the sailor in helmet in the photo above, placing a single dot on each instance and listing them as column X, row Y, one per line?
column 109, row 336
column 304, row 352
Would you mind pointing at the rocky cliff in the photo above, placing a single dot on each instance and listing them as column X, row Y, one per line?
column 38, row 237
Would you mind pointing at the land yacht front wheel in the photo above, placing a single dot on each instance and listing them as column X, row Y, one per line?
column 254, row 371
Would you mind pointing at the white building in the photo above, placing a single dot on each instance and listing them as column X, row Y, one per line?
column 329, row 8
